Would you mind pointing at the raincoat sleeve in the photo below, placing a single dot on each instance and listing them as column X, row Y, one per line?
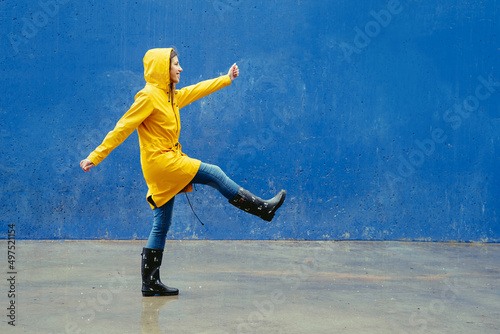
column 138, row 112
column 192, row 93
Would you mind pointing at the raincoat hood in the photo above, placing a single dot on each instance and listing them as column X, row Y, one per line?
column 157, row 67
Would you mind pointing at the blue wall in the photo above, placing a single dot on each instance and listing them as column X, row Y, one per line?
column 380, row 118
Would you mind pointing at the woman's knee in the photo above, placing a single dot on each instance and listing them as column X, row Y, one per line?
column 218, row 171
column 209, row 168
column 212, row 171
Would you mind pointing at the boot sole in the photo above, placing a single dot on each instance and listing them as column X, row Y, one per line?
column 152, row 294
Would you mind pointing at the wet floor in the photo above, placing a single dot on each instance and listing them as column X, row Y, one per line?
column 256, row 287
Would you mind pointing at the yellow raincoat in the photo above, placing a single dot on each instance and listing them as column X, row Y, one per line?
column 166, row 169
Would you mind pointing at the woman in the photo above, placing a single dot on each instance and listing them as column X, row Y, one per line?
column 168, row 171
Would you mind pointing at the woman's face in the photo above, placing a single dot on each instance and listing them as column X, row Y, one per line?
column 175, row 70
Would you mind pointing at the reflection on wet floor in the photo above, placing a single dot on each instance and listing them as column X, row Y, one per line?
column 150, row 314
column 259, row 287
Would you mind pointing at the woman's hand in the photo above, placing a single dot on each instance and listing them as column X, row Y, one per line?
column 233, row 72
column 86, row 164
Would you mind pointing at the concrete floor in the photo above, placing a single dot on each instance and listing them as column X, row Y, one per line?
column 256, row 287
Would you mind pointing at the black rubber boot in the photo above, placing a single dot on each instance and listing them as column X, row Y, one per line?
column 151, row 284
column 250, row 203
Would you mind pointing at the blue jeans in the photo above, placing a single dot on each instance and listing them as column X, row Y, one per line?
column 209, row 175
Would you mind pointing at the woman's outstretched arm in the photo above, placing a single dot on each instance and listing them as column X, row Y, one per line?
column 195, row 92
column 137, row 113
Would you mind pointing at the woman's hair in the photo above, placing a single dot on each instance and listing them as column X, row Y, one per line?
column 173, row 54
